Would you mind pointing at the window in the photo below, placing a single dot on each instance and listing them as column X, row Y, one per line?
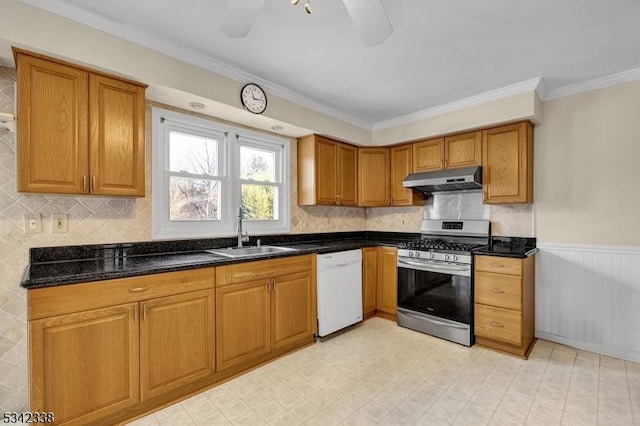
column 202, row 172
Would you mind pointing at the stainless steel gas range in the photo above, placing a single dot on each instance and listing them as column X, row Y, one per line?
column 435, row 278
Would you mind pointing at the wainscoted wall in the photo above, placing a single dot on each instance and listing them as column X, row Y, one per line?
column 589, row 297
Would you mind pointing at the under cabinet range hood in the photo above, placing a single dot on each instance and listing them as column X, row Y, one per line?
column 463, row 179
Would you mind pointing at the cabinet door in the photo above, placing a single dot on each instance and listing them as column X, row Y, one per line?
column 293, row 308
column 117, row 137
column 463, row 150
column 177, row 338
column 84, row 366
column 507, row 161
column 369, row 280
column 373, row 177
column 401, row 164
column 326, row 183
column 347, row 168
column 428, row 155
column 52, row 145
column 243, row 322
column 387, row 280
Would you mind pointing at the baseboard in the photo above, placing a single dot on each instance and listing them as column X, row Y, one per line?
column 591, row 347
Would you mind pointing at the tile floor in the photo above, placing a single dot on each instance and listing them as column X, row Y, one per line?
column 379, row 373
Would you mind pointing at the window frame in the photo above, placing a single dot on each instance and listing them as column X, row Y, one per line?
column 230, row 140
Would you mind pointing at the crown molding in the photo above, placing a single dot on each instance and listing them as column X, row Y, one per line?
column 514, row 89
column 587, row 86
column 190, row 56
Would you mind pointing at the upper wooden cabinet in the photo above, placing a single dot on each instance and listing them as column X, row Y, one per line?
column 428, row 155
column 401, row 164
column 327, row 171
column 79, row 131
column 373, row 177
column 450, row 152
column 507, row 164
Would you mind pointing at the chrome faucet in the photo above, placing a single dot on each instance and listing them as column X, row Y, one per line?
column 241, row 238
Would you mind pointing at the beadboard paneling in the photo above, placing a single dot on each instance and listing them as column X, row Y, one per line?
column 589, row 297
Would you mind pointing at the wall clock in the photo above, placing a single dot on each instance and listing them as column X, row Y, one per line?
column 253, row 98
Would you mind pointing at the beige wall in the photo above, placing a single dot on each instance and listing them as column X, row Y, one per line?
column 523, row 106
column 587, row 186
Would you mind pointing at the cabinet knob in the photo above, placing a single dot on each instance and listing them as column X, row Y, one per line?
column 497, row 290
column 497, row 265
column 496, row 324
column 138, row 289
column 84, row 184
column 93, row 183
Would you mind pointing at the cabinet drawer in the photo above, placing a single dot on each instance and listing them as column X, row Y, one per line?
column 499, row 265
column 499, row 324
column 503, row 291
column 64, row 299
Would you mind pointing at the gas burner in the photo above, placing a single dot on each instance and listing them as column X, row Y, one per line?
column 439, row 245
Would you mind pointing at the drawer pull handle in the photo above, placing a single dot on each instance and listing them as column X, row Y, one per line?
column 497, row 290
column 138, row 289
column 497, row 265
column 496, row 324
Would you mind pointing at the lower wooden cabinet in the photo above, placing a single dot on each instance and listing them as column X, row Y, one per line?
column 369, row 281
column 177, row 338
column 387, row 298
column 90, row 365
column 504, row 303
column 264, row 306
column 85, row 365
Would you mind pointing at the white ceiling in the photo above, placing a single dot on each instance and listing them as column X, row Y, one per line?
column 441, row 51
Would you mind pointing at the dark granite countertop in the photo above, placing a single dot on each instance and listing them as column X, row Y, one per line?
column 514, row 247
column 53, row 266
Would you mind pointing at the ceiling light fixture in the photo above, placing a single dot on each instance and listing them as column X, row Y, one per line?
column 307, row 6
column 197, row 105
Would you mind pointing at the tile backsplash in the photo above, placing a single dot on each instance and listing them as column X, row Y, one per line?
column 95, row 220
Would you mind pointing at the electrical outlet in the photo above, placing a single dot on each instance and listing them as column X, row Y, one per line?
column 403, row 222
column 32, row 223
column 58, row 223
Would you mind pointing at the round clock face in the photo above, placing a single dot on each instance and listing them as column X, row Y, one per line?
column 253, row 98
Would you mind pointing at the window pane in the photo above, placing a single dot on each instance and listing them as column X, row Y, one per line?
column 257, row 164
column 193, row 154
column 194, row 199
column 260, row 202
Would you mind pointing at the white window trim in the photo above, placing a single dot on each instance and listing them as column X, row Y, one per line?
column 163, row 228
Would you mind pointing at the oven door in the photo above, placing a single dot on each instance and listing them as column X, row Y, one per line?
column 439, row 289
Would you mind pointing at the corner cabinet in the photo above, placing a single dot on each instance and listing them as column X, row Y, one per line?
column 79, row 131
column 507, row 164
column 327, row 172
column 264, row 307
column 373, row 177
column 96, row 350
column 504, row 297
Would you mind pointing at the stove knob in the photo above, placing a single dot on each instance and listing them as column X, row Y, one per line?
column 431, row 256
column 410, row 254
column 446, row 257
column 417, row 254
column 455, row 257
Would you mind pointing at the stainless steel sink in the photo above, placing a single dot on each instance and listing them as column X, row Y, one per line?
column 236, row 252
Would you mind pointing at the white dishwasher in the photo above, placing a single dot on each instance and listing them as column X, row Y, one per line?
column 339, row 290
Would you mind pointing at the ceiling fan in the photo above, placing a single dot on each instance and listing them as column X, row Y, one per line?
column 369, row 17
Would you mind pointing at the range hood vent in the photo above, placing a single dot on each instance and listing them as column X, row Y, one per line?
column 467, row 178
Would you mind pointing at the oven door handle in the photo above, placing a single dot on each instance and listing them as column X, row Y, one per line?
column 432, row 266
column 462, row 327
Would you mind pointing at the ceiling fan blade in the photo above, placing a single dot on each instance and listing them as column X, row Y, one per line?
column 371, row 20
column 239, row 17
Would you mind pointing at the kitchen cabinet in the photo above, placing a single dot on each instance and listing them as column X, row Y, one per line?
column 373, row 177
column 369, row 280
column 79, row 131
column 327, row 172
column 428, row 155
column 401, row 164
column 264, row 306
column 504, row 303
column 507, row 164
column 98, row 349
column 386, row 301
